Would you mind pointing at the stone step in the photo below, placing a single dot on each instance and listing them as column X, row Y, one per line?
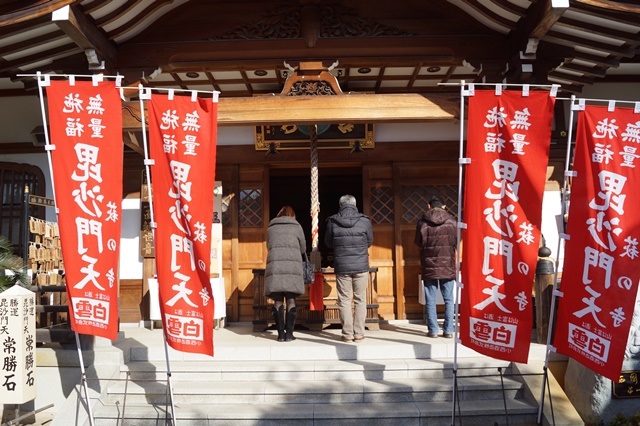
column 320, row 370
column 309, row 346
column 475, row 412
column 314, row 392
column 396, row 376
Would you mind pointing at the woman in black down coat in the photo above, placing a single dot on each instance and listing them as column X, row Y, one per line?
column 283, row 276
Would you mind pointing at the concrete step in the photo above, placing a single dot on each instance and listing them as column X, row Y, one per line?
column 476, row 412
column 320, row 370
column 396, row 376
column 393, row 378
column 308, row 346
column 314, row 392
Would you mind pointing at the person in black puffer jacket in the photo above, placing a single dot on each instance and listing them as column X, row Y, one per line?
column 350, row 235
column 436, row 235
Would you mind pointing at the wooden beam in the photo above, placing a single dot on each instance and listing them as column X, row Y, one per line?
column 490, row 14
column 78, row 27
column 34, row 11
column 550, row 16
column 612, row 5
column 360, row 108
column 207, row 55
column 585, row 70
column 599, row 30
column 355, row 108
column 131, row 139
column 573, row 41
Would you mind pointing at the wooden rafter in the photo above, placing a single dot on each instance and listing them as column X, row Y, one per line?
column 603, row 61
column 213, row 82
column 119, row 12
column 33, row 42
column 624, row 36
column 550, row 15
column 589, row 71
column 541, row 16
column 44, row 8
column 612, row 5
column 604, row 9
column 510, row 7
column 22, row 27
column 196, row 56
column 594, row 34
column 12, row 66
column 490, row 14
column 579, row 80
column 570, row 40
column 79, row 29
column 142, row 16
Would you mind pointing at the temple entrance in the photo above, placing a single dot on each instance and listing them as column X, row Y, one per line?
column 292, row 187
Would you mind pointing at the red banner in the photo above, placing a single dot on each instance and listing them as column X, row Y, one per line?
column 182, row 139
column 508, row 144
column 86, row 129
column 600, row 282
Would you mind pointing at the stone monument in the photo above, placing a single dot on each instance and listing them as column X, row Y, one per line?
column 592, row 394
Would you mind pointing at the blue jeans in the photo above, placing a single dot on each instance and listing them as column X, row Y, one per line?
column 430, row 289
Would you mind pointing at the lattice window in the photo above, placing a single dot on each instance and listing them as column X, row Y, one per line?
column 13, row 179
column 382, row 205
column 415, row 199
column 250, row 205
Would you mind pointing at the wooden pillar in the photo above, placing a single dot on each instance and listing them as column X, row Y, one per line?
column 544, row 293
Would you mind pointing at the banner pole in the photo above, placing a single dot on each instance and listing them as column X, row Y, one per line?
column 552, row 316
column 48, row 147
column 456, row 302
column 84, row 380
column 169, row 383
column 147, row 163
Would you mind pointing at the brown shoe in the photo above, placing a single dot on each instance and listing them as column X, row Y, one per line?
column 447, row 335
column 433, row 336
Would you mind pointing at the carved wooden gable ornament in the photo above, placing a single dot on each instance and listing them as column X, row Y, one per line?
column 313, row 79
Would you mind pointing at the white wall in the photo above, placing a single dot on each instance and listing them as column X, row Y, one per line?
column 20, row 115
column 415, row 132
column 552, row 224
column 615, row 91
column 130, row 259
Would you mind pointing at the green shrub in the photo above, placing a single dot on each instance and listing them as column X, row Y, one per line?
column 13, row 263
column 622, row 420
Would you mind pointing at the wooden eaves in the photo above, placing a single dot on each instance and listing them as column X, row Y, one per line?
column 347, row 108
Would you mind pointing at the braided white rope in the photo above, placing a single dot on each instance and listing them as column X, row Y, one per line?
column 315, row 203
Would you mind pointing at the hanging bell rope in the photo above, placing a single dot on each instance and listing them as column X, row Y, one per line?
column 315, row 203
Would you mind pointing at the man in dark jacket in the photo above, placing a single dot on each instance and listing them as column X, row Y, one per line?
column 350, row 235
column 436, row 235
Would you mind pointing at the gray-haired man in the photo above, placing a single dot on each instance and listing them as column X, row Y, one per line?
column 350, row 235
